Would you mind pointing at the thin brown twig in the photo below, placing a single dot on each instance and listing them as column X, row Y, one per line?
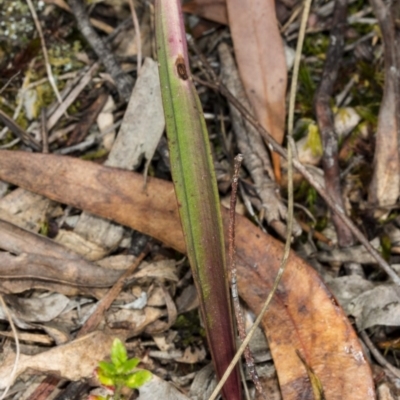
column 378, row 356
column 19, row 132
column 125, row 24
column 217, row 86
column 44, row 132
column 330, row 159
column 9, row 81
column 233, row 272
column 105, row 303
column 315, row 234
column 209, row 72
column 123, row 81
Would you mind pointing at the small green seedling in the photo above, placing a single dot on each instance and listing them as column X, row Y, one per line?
column 117, row 374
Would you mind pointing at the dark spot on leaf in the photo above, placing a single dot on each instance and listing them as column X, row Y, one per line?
column 181, row 68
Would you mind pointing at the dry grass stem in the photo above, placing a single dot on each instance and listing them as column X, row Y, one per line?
column 44, row 50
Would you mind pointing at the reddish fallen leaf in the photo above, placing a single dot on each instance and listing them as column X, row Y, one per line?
column 303, row 316
column 261, row 60
column 214, row 10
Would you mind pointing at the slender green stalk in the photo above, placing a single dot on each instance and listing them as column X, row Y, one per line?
column 196, row 189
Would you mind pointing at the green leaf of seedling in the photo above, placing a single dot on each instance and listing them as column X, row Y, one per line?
column 129, row 365
column 107, row 368
column 137, row 379
column 104, row 379
column 118, row 353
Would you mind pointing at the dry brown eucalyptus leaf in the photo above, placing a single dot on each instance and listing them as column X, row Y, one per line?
column 303, row 315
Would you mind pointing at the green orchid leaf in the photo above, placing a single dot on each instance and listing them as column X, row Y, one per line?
column 196, row 188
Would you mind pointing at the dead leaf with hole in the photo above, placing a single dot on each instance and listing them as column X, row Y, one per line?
column 261, row 60
column 303, row 315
